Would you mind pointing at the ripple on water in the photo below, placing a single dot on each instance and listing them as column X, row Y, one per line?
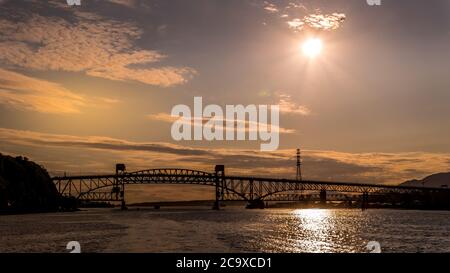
column 229, row 230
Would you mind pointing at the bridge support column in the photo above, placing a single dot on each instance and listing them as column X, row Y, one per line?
column 220, row 173
column 119, row 185
column 251, row 189
column 448, row 200
column 365, row 201
column 323, row 197
column 123, row 205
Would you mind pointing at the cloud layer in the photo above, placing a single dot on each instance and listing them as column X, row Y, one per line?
column 99, row 154
column 88, row 43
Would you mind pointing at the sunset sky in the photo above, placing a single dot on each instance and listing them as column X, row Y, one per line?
column 85, row 87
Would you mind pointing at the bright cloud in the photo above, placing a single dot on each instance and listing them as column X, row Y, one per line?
column 100, row 48
column 296, row 23
column 318, row 21
column 269, row 7
column 287, row 105
column 301, row 18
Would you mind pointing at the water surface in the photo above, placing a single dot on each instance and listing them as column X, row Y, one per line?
column 228, row 230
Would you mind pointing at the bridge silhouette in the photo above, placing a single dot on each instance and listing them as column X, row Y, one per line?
column 254, row 190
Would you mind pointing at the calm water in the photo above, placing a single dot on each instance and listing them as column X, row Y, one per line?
column 229, row 230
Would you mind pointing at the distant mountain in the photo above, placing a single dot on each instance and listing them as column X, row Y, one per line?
column 433, row 181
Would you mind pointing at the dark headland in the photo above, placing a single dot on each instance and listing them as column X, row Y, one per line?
column 27, row 187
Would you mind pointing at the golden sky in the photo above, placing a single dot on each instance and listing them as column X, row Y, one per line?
column 82, row 88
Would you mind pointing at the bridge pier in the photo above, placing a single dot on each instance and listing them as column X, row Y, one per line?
column 255, row 204
column 323, row 197
column 365, row 201
column 123, row 205
column 448, row 200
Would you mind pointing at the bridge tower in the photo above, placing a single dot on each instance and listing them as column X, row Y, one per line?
column 119, row 187
column 220, row 180
column 299, row 164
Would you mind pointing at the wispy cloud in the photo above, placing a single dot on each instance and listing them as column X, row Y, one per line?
column 92, row 142
column 88, row 43
column 23, row 92
column 269, row 7
column 249, row 125
column 287, row 105
column 293, row 5
column 126, row 3
column 318, row 21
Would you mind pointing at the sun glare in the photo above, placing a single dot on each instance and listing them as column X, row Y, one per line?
column 312, row 47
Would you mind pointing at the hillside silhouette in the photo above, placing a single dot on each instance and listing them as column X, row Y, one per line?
column 434, row 181
column 25, row 186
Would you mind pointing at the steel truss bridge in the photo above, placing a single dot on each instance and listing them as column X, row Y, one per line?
column 111, row 187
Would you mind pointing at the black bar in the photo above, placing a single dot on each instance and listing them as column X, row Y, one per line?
column 223, row 262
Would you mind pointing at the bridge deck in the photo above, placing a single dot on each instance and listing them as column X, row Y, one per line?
column 246, row 178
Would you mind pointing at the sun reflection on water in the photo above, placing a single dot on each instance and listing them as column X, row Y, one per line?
column 315, row 229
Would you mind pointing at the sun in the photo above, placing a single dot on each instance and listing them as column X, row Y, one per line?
column 312, row 47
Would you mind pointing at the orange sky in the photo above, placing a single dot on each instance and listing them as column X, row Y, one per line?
column 82, row 88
